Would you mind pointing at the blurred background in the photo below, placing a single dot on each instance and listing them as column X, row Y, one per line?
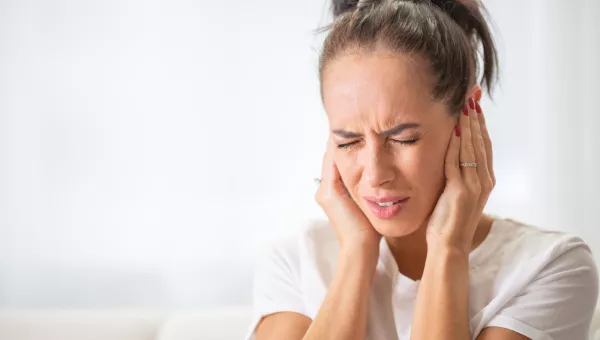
column 151, row 150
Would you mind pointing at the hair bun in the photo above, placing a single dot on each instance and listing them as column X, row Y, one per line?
column 446, row 5
column 342, row 6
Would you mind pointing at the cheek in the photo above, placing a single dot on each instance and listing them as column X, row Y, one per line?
column 423, row 168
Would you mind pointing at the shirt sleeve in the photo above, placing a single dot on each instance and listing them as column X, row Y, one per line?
column 277, row 286
column 559, row 304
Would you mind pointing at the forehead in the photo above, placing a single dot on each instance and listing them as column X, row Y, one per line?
column 382, row 87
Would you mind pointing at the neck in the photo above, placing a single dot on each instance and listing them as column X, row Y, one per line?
column 410, row 251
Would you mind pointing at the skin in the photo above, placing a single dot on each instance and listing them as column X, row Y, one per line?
column 374, row 165
column 379, row 165
column 366, row 96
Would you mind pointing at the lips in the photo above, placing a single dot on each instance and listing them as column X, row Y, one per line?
column 381, row 199
column 386, row 212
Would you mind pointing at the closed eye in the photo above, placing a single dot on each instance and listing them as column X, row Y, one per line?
column 346, row 145
column 401, row 142
column 405, row 142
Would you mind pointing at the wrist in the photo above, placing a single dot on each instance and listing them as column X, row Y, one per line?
column 366, row 244
column 362, row 253
column 448, row 251
column 448, row 244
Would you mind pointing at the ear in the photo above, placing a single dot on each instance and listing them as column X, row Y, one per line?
column 475, row 92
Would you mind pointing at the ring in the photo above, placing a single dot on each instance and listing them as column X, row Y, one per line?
column 317, row 180
column 469, row 164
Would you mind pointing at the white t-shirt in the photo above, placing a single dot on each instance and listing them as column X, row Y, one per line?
column 542, row 284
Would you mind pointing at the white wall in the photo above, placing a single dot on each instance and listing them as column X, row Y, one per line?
column 149, row 150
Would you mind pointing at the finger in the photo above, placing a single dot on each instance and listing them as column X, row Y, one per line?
column 479, row 146
column 327, row 171
column 330, row 175
column 487, row 141
column 325, row 163
column 467, row 151
column 451, row 163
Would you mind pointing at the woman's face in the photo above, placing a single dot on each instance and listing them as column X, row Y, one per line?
column 390, row 136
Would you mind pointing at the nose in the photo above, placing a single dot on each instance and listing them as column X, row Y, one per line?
column 378, row 169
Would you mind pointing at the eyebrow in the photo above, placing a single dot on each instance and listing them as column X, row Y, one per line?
column 396, row 130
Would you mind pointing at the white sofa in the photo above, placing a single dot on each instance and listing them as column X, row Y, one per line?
column 218, row 324
column 215, row 324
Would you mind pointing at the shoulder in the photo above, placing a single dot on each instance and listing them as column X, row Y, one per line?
column 513, row 242
column 293, row 272
column 535, row 282
column 314, row 246
column 519, row 257
column 313, row 238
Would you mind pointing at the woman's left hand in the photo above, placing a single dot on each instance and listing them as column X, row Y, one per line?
column 456, row 216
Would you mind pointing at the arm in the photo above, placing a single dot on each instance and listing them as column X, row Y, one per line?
column 443, row 296
column 343, row 314
column 447, row 303
column 499, row 333
column 282, row 325
column 441, row 310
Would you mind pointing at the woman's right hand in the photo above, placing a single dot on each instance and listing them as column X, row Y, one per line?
column 352, row 227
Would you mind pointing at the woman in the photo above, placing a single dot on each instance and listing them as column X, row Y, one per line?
column 406, row 252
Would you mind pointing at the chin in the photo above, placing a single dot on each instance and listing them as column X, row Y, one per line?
column 395, row 227
column 404, row 222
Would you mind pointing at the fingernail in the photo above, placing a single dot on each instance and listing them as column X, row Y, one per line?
column 457, row 130
column 478, row 108
column 465, row 110
column 472, row 103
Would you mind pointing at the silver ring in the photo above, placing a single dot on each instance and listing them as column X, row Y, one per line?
column 317, row 181
column 469, row 164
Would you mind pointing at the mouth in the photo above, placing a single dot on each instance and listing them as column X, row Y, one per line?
column 386, row 207
column 387, row 204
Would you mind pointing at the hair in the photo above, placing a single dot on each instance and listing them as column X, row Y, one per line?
column 447, row 33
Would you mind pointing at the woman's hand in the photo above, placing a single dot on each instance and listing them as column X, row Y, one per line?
column 352, row 227
column 456, row 216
